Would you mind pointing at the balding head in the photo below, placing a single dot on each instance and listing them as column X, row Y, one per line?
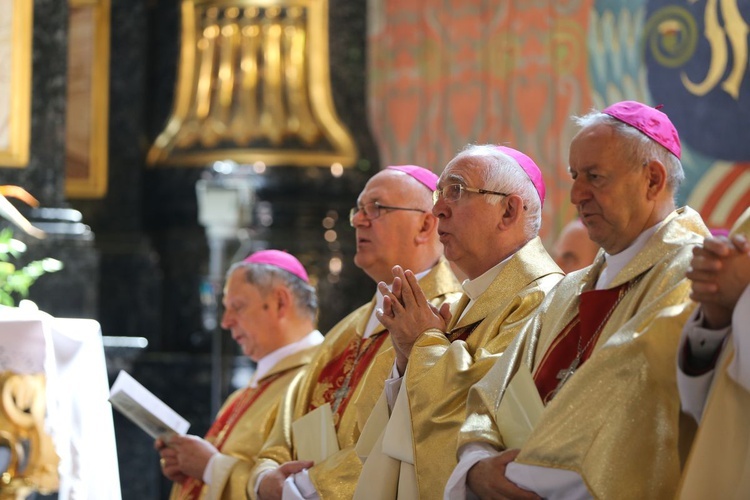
column 266, row 308
column 500, row 172
column 637, row 146
column 405, row 234
column 481, row 229
column 623, row 182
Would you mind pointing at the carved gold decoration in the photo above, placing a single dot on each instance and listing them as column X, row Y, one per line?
column 87, row 123
column 253, row 86
column 33, row 461
column 16, row 24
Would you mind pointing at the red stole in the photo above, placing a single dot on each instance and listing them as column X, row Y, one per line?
column 222, row 427
column 581, row 334
column 343, row 372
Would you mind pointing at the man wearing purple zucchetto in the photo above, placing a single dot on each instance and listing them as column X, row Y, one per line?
column 601, row 347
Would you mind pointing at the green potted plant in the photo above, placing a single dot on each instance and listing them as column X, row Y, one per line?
column 15, row 281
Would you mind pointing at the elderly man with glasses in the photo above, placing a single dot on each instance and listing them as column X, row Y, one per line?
column 488, row 206
column 602, row 346
column 394, row 226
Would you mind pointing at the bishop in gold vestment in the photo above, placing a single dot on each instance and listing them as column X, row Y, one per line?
column 408, row 452
column 394, row 226
column 270, row 308
column 342, row 468
column 245, row 421
column 719, row 462
column 612, row 423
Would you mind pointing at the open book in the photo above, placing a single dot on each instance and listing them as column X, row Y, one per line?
column 144, row 409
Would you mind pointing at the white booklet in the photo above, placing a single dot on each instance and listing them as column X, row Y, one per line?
column 314, row 435
column 520, row 409
column 144, row 409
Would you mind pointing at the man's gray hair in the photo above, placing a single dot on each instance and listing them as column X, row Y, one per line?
column 502, row 173
column 638, row 147
column 264, row 277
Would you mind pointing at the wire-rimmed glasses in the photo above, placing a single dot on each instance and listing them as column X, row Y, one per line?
column 453, row 192
column 373, row 210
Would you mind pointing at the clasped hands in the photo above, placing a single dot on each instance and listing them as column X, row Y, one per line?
column 407, row 313
column 720, row 272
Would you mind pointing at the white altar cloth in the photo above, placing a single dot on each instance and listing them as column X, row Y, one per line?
column 79, row 416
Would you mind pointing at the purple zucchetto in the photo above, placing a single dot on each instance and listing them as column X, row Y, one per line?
column 531, row 169
column 648, row 120
column 424, row 176
column 282, row 260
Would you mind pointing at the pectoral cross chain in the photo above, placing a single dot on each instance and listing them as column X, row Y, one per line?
column 565, row 374
column 340, row 394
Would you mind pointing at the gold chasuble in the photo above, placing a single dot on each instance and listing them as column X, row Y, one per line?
column 617, row 419
column 411, row 454
column 338, row 375
column 719, row 462
column 242, row 426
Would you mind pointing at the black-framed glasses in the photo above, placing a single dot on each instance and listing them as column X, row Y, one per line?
column 373, row 210
column 452, row 192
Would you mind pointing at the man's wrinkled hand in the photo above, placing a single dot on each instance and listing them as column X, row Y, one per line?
column 408, row 313
column 719, row 271
column 193, row 454
column 272, row 484
column 487, row 479
column 168, row 462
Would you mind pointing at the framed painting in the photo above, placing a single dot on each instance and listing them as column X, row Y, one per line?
column 87, row 122
column 15, row 81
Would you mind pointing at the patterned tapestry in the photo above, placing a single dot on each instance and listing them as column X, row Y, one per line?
column 445, row 73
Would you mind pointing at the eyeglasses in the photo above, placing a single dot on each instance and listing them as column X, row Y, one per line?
column 452, row 192
column 373, row 211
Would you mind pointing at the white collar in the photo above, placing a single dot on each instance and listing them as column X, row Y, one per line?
column 617, row 262
column 267, row 362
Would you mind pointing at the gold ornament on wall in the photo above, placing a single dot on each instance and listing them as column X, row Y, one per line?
column 253, row 86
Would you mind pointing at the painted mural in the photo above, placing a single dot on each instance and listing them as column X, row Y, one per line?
column 444, row 73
